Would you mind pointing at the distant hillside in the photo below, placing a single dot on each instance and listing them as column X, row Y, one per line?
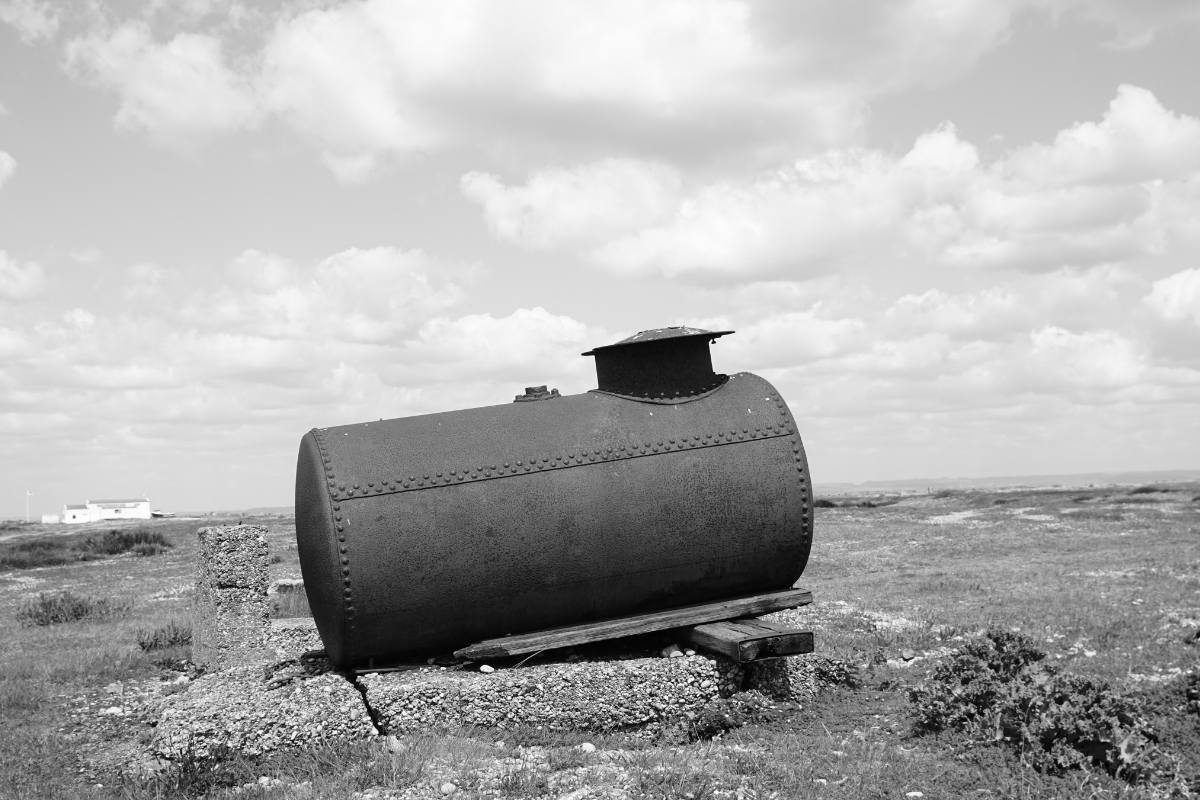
column 258, row 511
column 904, row 485
column 1013, row 481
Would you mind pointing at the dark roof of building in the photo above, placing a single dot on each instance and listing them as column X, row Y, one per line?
column 116, row 502
column 74, row 507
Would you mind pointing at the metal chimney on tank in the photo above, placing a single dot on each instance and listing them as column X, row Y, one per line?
column 666, row 485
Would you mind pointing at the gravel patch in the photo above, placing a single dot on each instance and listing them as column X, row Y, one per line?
column 292, row 637
column 253, row 710
column 585, row 695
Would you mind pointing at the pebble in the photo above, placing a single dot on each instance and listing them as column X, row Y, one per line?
column 914, row 794
column 447, row 788
column 907, row 655
column 486, row 669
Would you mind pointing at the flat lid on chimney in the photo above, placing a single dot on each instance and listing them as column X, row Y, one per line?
column 658, row 334
column 661, row 365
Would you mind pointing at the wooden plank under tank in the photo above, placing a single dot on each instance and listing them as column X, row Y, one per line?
column 750, row 639
column 571, row 635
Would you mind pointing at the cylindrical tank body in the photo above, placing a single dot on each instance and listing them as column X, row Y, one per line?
column 423, row 534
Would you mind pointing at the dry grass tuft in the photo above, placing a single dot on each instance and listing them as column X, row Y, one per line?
column 62, row 607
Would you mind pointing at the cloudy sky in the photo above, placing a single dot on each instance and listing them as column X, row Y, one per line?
column 962, row 237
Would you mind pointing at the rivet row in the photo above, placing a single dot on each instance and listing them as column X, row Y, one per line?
column 562, row 460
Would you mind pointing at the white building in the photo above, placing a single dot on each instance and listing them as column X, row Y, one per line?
column 76, row 513
column 93, row 510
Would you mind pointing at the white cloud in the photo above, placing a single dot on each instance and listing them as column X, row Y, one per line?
column 1177, row 297
column 1134, row 25
column 706, row 79
column 727, row 82
column 584, row 204
column 14, row 344
column 1119, row 191
column 80, row 318
column 176, row 91
column 19, row 281
column 529, row 341
column 1101, row 359
column 789, row 339
column 1136, row 140
column 1022, row 303
column 357, row 295
column 35, row 21
column 8, row 165
column 802, row 220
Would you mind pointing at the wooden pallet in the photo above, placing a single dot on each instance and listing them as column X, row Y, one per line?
column 682, row 617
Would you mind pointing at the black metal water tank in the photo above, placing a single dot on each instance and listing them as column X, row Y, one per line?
column 665, row 486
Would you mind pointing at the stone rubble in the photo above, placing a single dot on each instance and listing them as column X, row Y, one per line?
column 593, row 696
column 247, row 710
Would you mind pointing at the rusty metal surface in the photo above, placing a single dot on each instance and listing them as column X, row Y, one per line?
column 659, row 334
column 662, row 365
column 534, row 393
column 422, row 534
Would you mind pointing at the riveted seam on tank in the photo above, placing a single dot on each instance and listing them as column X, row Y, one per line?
column 586, row 456
column 326, row 461
column 661, row 398
column 337, row 492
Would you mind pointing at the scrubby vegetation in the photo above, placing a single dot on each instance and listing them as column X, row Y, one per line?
column 114, row 542
column 57, row 550
column 173, row 634
column 290, row 604
column 61, row 607
column 1101, row 590
column 999, row 689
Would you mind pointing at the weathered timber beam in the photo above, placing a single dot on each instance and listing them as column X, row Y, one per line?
column 571, row 635
column 749, row 639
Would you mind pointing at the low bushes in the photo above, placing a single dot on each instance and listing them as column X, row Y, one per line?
column 49, row 552
column 60, row 607
column 35, row 553
column 114, row 542
column 173, row 634
column 997, row 689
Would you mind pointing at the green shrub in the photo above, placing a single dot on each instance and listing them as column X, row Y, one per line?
column 61, row 607
column 997, row 689
column 35, row 553
column 52, row 551
column 173, row 634
column 823, row 502
column 114, row 542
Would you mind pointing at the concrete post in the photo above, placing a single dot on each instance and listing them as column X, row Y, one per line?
column 231, row 616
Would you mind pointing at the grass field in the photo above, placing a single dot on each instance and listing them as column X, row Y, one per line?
column 1105, row 580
